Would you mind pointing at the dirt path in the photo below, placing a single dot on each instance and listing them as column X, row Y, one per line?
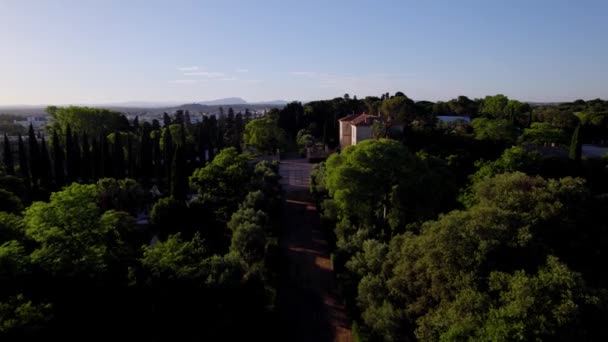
column 308, row 306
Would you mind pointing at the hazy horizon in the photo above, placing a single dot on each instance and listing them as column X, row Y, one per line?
column 71, row 52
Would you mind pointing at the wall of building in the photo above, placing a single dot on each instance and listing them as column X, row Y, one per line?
column 345, row 134
column 361, row 133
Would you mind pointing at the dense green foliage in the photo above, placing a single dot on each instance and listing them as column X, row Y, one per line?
column 264, row 135
column 81, row 259
column 93, row 121
column 490, row 230
column 515, row 263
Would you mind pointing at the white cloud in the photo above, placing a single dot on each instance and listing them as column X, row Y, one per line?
column 184, row 81
column 227, row 79
column 188, row 68
column 242, row 70
column 209, row 74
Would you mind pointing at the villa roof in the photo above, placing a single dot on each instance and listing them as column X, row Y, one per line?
column 364, row 120
column 349, row 117
column 360, row 119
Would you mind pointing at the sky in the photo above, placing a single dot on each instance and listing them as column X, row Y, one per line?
column 95, row 52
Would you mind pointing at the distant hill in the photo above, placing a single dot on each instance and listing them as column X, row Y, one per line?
column 226, row 101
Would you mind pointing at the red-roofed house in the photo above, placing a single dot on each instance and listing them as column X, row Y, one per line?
column 356, row 127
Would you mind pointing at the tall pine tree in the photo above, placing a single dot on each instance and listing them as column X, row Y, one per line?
column 9, row 163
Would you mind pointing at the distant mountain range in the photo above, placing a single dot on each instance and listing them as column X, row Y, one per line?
column 219, row 102
column 146, row 107
column 156, row 104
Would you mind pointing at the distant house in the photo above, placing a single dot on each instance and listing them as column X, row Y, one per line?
column 356, row 127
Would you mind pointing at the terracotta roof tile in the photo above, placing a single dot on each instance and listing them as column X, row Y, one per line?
column 349, row 117
column 364, row 120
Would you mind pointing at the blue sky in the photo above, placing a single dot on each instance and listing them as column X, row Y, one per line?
column 83, row 51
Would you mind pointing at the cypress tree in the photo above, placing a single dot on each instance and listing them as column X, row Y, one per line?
column 168, row 152
column 145, row 159
column 201, row 144
column 58, row 161
column 179, row 117
column 46, row 176
column 229, row 129
column 24, row 167
column 576, row 145
column 212, row 130
column 166, row 120
column 106, row 169
column 179, row 178
column 155, row 125
column 182, row 131
column 118, row 157
column 69, row 154
column 239, row 130
column 131, row 157
column 96, row 160
column 85, row 165
column 247, row 116
column 34, row 156
column 187, row 119
column 103, row 165
column 157, row 156
column 9, row 163
column 76, row 154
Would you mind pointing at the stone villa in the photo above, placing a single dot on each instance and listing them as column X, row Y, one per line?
column 356, row 127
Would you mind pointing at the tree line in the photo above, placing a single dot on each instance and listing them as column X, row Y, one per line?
column 495, row 118
column 491, row 230
column 87, row 144
column 79, row 262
